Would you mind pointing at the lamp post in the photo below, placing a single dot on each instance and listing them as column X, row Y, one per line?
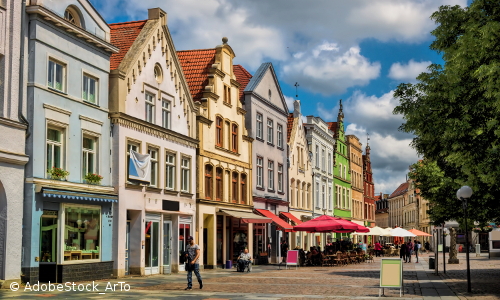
column 463, row 194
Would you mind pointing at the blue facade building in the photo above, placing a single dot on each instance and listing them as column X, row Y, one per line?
column 68, row 206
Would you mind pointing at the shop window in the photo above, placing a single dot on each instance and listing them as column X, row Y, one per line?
column 208, row 182
column 184, row 232
column 81, row 232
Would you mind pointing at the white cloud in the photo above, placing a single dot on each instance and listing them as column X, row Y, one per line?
column 289, row 102
column 408, row 72
column 326, row 70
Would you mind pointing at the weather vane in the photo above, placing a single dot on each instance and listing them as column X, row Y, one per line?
column 367, row 138
column 296, row 90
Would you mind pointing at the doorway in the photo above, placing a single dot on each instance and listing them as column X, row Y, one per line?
column 167, row 247
column 151, row 247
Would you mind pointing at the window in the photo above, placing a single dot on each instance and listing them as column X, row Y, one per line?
column 89, row 92
column 234, row 187
column 323, row 160
column 270, row 174
column 165, row 114
column 218, row 185
column 227, row 94
column 317, row 156
column 72, row 16
column 234, row 138
column 158, row 73
column 150, row 108
column 259, row 126
column 208, row 182
column 170, row 171
column 89, row 156
column 130, row 147
column 280, row 178
column 81, row 232
column 329, row 198
column 154, row 167
column 243, row 183
column 48, row 235
column 260, row 170
column 54, row 148
column 323, row 195
column 329, row 163
column 270, row 131
column 345, row 172
column 269, row 94
column 280, row 136
column 317, row 194
column 56, row 75
column 185, row 180
column 218, row 131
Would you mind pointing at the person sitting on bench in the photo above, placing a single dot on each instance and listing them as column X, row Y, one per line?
column 244, row 260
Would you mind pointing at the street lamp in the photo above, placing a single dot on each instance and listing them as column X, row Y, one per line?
column 463, row 194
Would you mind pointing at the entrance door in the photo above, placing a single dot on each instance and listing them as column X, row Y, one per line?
column 127, row 247
column 167, row 247
column 151, row 247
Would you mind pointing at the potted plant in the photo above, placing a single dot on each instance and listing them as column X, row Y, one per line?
column 92, row 178
column 476, row 229
column 57, row 173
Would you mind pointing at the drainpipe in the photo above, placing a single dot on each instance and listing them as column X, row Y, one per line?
column 22, row 118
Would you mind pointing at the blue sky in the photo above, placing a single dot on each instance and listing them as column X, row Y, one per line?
column 356, row 50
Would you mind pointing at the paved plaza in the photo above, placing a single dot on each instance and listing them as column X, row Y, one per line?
column 357, row 281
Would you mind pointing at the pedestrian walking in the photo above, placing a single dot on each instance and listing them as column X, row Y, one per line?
column 378, row 249
column 192, row 263
column 415, row 249
column 427, row 247
column 409, row 249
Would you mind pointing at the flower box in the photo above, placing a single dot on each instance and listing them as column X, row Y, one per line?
column 57, row 173
column 91, row 178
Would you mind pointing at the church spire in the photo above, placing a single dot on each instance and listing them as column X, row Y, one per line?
column 367, row 146
column 341, row 113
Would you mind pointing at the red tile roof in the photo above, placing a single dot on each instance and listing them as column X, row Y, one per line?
column 332, row 126
column 195, row 65
column 123, row 36
column 243, row 77
column 289, row 126
column 403, row 188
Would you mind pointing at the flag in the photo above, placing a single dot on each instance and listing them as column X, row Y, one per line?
column 139, row 166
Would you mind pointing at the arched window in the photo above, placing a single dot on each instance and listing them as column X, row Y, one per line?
column 208, row 182
column 243, row 183
column 218, row 185
column 73, row 16
column 234, row 187
column 218, row 131
column 234, row 138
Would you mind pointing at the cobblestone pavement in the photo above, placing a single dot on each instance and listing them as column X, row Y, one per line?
column 358, row 281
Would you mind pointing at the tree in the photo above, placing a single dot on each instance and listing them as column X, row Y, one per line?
column 454, row 109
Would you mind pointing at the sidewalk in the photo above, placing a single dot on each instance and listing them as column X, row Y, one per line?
column 357, row 281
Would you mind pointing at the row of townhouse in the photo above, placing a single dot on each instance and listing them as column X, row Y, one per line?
column 228, row 163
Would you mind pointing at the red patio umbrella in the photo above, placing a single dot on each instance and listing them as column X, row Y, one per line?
column 326, row 223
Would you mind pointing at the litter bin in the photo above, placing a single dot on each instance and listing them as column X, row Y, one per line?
column 229, row 264
column 432, row 263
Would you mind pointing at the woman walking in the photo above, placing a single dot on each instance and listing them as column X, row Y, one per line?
column 402, row 252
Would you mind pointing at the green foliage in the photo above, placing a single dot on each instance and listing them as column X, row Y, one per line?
column 454, row 111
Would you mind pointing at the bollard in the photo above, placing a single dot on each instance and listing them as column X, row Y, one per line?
column 478, row 250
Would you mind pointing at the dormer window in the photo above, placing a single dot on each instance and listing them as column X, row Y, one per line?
column 72, row 15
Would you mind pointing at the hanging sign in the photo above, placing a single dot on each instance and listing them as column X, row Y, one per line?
column 139, row 167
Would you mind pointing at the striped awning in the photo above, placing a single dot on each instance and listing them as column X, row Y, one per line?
column 49, row 193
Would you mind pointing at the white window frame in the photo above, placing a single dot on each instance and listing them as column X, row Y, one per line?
column 280, row 136
column 53, row 144
column 270, row 174
column 270, row 131
column 317, row 156
column 323, row 166
column 153, row 152
column 149, row 115
column 170, row 166
column 185, row 174
column 329, row 163
column 259, row 126
column 87, row 152
column 260, row 171
column 280, row 178
column 166, row 114
column 317, row 194
column 85, row 94
column 329, row 197
column 323, row 196
column 56, row 62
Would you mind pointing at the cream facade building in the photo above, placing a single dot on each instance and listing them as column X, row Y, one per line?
column 224, row 206
column 396, row 203
column 301, row 178
column 152, row 113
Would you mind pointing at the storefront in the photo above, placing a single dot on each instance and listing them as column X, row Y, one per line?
column 277, row 232
column 75, row 241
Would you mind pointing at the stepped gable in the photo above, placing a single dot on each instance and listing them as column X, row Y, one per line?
column 196, row 65
column 123, row 35
column 243, row 77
